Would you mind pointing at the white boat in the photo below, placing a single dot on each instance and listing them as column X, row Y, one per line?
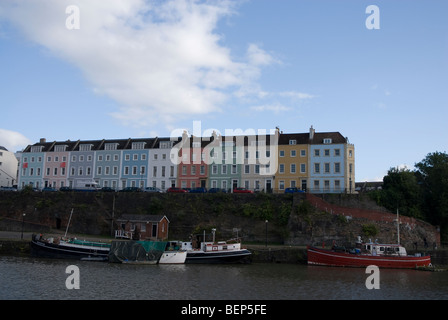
column 199, row 251
column 173, row 254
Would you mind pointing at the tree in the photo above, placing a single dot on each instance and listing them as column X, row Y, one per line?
column 401, row 191
column 432, row 176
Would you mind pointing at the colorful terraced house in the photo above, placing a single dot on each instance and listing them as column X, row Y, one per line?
column 318, row 162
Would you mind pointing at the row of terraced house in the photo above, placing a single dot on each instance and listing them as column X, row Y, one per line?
column 312, row 161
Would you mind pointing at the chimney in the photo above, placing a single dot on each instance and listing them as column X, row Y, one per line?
column 311, row 133
column 42, row 140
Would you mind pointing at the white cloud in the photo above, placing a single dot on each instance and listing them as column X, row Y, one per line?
column 13, row 141
column 157, row 59
column 296, row 95
column 276, row 108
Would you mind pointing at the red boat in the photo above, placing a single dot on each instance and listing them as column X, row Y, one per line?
column 380, row 255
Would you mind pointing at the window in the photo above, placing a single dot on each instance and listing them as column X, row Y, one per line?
column 234, row 169
column 281, row 185
column 110, row 146
column 326, row 167
column 303, row 153
column 327, row 141
column 317, row 168
column 316, row 152
column 337, row 184
column 282, row 153
column 337, row 152
column 138, row 145
column 327, row 184
column 337, row 167
column 60, row 148
column 293, row 153
column 302, row 168
column 281, row 168
column 215, row 169
column 85, row 147
column 293, row 168
column 292, row 142
column 327, row 152
column 247, row 169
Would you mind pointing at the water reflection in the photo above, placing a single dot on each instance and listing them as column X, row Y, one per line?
column 29, row 278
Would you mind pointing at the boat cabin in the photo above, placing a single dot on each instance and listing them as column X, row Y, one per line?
column 377, row 249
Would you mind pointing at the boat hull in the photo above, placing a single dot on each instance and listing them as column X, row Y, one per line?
column 324, row 257
column 59, row 251
column 173, row 257
column 217, row 257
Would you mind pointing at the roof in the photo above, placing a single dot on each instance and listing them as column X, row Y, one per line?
column 151, row 143
column 142, row 217
column 335, row 137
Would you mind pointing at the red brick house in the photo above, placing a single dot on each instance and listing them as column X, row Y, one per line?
column 142, row 227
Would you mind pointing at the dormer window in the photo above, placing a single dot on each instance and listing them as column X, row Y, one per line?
column 138, row 145
column 292, row 142
column 327, row 141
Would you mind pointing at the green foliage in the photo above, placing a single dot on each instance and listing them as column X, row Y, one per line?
column 422, row 193
column 369, row 230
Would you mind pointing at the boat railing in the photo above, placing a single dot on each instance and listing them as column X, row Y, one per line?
column 122, row 234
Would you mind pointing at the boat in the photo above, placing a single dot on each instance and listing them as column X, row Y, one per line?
column 366, row 254
column 173, row 253
column 200, row 251
column 136, row 252
column 55, row 247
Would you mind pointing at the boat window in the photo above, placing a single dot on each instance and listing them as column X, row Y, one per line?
column 381, row 248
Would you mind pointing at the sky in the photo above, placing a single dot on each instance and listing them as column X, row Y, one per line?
column 96, row 69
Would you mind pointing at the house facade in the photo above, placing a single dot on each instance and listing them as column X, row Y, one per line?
column 8, row 168
column 318, row 162
column 143, row 227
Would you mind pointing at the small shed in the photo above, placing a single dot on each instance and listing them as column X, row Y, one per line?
column 142, row 227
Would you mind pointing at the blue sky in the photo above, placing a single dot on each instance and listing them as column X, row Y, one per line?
column 138, row 68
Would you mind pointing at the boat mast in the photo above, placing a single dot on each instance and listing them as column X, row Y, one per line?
column 398, row 228
column 68, row 224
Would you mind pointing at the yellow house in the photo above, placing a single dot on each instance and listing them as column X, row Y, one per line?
column 293, row 167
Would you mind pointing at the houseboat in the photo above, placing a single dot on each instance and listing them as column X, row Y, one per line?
column 63, row 248
column 200, row 251
column 365, row 254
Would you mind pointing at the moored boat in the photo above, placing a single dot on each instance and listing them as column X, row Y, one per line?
column 199, row 251
column 173, row 253
column 62, row 248
column 365, row 254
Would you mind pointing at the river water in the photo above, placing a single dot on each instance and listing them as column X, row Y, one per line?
column 34, row 278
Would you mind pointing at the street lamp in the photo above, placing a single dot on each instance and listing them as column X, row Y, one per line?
column 23, row 222
column 266, row 221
